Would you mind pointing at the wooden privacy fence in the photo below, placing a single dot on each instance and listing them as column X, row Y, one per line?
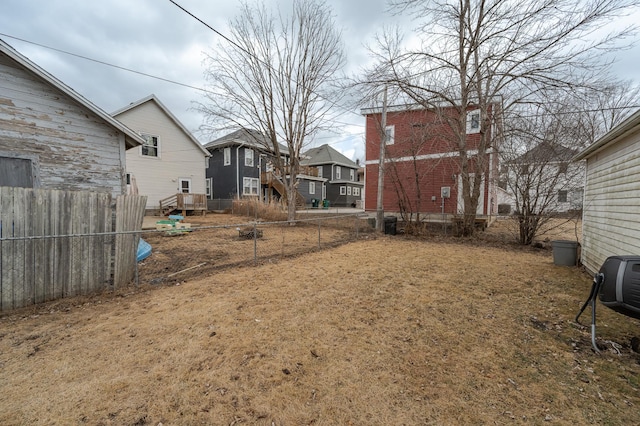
column 55, row 244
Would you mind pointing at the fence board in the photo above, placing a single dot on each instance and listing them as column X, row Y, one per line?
column 8, row 249
column 56, row 254
column 129, row 216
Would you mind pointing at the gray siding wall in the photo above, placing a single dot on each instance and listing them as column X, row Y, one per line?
column 611, row 215
column 71, row 147
column 225, row 178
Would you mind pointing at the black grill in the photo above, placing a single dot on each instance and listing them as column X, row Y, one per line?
column 617, row 284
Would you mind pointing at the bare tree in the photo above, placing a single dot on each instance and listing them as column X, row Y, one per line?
column 276, row 77
column 540, row 142
column 491, row 55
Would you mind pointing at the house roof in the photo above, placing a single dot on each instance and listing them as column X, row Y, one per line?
column 627, row 127
column 547, row 152
column 153, row 98
column 132, row 139
column 324, row 154
column 248, row 137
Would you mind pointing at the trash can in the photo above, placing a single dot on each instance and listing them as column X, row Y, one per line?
column 390, row 225
column 314, row 203
column 565, row 252
column 325, row 204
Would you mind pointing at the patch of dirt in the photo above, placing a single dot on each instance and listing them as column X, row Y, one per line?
column 385, row 331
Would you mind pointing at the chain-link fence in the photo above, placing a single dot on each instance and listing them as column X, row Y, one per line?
column 178, row 255
column 37, row 269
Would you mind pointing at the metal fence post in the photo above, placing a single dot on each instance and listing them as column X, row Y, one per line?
column 255, row 243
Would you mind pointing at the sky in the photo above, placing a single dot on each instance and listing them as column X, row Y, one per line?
column 157, row 38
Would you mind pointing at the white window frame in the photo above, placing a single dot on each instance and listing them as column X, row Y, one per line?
column 250, row 186
column 227, row 156
column 390, row 134
column 343, row 190
column 149, row 143
column 352, row 175
column 248, row 157
column 338, row 172
column 312, row 188
column 348, row 190
column 473, row 121
column 208, row 186
column 319, row 171
column 356, row 191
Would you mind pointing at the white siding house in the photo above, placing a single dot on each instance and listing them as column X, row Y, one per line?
column 611, row 207
column 171, row 161
column 51, row 137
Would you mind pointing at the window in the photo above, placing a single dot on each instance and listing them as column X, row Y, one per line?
column 151, row 146
column 562, row 196
column 206, row 162
column 473, row 121
column 128, row 178
column 250, row 186
column 338, row 172
column 352, row 175
column 208, row 183
column 312, row 188
column 348, row 190
column 390, row 135
column 227, row 156
column 248, row 157
column 343, row 190
column 319, row 171
column 356, row 192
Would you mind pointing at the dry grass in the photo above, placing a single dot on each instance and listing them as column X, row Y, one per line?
column 389, row 331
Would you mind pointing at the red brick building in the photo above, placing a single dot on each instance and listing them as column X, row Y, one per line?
column 422, row 161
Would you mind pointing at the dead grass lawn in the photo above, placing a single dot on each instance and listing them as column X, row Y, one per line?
column 388, row 331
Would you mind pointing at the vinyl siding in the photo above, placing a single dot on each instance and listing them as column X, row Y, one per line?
column 74, row 149
column 611, row 219
column 157, row 177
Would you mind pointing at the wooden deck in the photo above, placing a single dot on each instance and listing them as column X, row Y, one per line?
column 184, row 203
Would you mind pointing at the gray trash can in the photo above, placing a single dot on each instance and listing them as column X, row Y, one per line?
column 565, row 253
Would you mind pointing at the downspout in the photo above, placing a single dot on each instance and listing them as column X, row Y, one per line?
column 238, row 168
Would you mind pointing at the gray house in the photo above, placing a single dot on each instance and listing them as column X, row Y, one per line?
column 236, row 165
column 343, row 187
column 611, row 206
column 51, row 137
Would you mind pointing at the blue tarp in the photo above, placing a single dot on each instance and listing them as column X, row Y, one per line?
column 144, row 250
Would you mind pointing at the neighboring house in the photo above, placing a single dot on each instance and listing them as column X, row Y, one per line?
column 242, row 165
column 171, row 161
column 610, row 215
column 553, row 181
column 51, row 137
column 342, row 187
column 236, row 163
column 422, row 165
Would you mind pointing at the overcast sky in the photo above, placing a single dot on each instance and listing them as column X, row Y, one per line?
column 157, row 38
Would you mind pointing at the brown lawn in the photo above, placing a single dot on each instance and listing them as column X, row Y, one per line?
column 388, row 331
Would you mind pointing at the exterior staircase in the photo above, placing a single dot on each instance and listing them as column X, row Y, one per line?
column 276, row 183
